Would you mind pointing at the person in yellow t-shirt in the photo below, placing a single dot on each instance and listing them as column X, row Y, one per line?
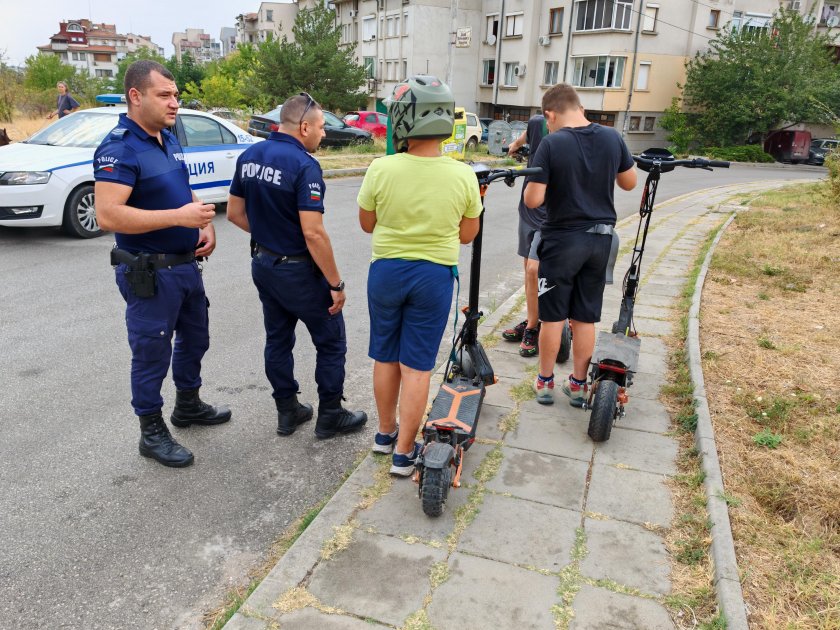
column 420, row 207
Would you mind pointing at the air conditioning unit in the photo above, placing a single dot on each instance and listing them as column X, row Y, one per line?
column 519, row 70
column 353, row 13
column 544, row 40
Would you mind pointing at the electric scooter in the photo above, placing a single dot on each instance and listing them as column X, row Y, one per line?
column 451, row 425
column 616, row 354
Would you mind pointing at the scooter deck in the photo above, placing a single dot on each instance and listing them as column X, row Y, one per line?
column 457, row 407
column 615, row 347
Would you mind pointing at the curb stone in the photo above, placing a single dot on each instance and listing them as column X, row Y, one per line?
column 726, row 576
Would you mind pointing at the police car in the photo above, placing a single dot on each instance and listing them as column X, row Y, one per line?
column 48, row 179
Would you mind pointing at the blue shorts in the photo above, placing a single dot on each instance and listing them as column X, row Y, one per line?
column 408, row 302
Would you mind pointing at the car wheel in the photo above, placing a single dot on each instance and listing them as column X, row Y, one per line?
column 472, row 143
column 80, row 214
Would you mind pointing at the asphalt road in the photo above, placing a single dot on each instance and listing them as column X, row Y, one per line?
column 95, row 536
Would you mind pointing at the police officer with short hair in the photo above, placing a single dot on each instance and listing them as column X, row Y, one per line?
column 277, row 194
column 143, row 194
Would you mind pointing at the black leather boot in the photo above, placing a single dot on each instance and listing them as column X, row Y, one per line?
column 290, row 414
column 190, row 409
column 334, row 419
column 156, row 442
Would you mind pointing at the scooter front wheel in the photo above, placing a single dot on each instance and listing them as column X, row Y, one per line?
column 604, row 411
column 434, row 489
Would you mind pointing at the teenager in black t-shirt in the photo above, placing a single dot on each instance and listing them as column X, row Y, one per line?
column 581, row 163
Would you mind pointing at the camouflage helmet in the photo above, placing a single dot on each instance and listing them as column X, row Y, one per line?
column 422, row 106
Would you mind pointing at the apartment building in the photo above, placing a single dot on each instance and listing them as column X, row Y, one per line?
column 398, row 38
column 272, row 19
column 201, row 46
column 88, row 46
column 626, row 57
column 227, row 37
column 134, row 42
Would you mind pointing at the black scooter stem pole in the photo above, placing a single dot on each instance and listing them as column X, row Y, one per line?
column 471, row 331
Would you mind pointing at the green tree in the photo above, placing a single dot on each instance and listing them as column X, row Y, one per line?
column 44, row 70
column 215, row 91
column 313, row 63
column 185, row 71
column 130, row 58
column 10, row 84
column 676, row 122
column 750, row 82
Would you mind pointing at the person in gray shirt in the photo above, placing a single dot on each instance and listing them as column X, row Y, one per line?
column 64, row 104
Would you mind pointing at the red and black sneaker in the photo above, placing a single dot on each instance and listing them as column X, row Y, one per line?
column 516, row 333
column 530, row 342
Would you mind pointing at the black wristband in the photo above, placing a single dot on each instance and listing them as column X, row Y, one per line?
column 339, row 287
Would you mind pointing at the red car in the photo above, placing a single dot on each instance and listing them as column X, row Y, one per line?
column 373, row 122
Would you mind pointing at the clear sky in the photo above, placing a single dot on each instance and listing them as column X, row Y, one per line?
column 26, row 24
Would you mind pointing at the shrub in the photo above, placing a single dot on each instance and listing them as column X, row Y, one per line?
column 744, row 153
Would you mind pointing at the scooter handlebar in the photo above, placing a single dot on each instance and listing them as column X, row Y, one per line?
column 667, row 165
column 510, row 173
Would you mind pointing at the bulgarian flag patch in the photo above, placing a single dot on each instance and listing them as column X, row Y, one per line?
column 315, row 192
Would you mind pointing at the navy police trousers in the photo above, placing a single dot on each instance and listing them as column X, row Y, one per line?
column 292, row 291
column 180, row 306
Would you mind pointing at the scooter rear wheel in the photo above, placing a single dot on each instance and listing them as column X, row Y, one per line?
column 604, row 411
column 435, row 490
column 565, row 343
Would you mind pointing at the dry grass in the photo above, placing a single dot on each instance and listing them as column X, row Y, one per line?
column 770, row 337
column 22, row 127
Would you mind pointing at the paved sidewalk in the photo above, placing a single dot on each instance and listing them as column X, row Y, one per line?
column 548, row 530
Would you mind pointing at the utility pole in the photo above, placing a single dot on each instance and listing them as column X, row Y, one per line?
column 453, row 29
column 626, row 125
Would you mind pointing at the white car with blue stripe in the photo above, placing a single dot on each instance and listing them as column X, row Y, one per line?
column 47, row 180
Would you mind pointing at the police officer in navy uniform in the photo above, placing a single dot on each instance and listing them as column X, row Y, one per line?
column 277, row 194
column 143, row 194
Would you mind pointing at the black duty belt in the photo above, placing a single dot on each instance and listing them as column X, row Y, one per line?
column 281, row 258
column 153, row 261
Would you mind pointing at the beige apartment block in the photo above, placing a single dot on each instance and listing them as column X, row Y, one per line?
column 272, row 19
column 626, row 57
column 201, row 46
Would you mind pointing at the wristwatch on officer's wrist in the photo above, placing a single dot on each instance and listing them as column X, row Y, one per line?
column 339, row 287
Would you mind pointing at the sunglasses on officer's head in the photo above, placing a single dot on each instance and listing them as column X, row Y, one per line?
column 310, row 102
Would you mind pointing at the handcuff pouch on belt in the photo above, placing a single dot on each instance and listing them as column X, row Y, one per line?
column 140, row 273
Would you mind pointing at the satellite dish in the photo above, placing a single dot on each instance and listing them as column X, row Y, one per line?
column 833, row 21
column 491, row 39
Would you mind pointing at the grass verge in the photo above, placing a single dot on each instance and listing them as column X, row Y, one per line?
column 769, row 332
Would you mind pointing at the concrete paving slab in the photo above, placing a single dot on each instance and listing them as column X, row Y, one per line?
column 630, row 495
column 638, row 450
column 652, row 362
column 369, row 578
column 663, row 301
column 597, row 608
column 510, row 364
column 652, row 312
column 486, row 594
column 646, row 385
column 399, row 513
column 655, row 346
column 628, row 554
column 549, row 434
column 522, row 532
column 645, row 326
column 668, row 289
column 488, row 421
column 240, row 622
column 499, row 394
column 643, row 414
column 544, row 478
column 310, row 619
